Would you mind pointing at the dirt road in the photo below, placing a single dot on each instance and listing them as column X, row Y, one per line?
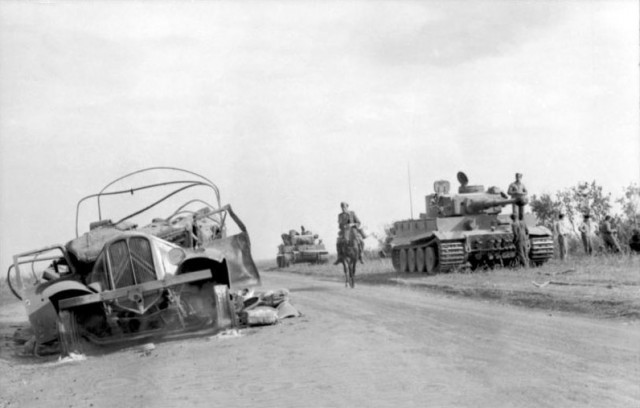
column 375, row 346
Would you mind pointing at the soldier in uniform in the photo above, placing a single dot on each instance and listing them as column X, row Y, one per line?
column 634, row 242
column 586, row 232
column 561, row 231
column 519, row 191
column 608, row 234
column 346, row 219
column 520, row 240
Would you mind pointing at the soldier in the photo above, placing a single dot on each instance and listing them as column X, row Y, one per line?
column 520, row 240
column 634, row 242
column 346, row 219
column 519, row 191
column 561, row 230
column 609, row 235
column 586, row 232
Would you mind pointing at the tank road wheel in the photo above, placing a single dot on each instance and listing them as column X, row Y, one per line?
column 69, row 333
column 411, row 259
column 430, row 259
column 420, row 259
column 403, row 260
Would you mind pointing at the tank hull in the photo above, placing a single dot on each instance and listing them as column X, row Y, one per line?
column 291, row 254
column 434, row 245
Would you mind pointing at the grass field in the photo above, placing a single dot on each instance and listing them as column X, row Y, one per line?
column 602, row 286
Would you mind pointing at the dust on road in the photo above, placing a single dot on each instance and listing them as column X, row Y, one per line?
column 374, row 346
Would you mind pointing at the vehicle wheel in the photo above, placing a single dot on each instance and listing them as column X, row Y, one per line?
column 411, row 260
column 420, row 259
column 430, row 259
column 403, row 260
column 69, row 333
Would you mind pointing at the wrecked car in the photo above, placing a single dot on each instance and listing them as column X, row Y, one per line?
column 119, row 284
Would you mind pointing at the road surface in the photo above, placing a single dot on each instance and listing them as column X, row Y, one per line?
column 373, row 346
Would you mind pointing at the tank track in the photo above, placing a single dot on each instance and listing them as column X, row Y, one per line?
column 450, row 255
column 542, row 249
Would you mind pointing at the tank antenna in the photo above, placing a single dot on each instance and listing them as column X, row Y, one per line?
column 410, row 196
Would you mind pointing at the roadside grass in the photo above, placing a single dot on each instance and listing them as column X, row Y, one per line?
column 605, row 286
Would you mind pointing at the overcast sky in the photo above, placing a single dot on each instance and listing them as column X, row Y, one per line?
column 294, row 106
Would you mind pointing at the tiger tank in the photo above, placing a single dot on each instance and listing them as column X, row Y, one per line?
column 464, row 230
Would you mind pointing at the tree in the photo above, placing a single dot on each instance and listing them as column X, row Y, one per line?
column 630, row 204
column 575, row 202
column 585, row 198
column 630, row 218
column 545, row 208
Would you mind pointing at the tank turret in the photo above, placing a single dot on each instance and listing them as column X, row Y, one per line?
column 464, row 229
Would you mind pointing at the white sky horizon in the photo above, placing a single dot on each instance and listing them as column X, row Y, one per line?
column 292, row 107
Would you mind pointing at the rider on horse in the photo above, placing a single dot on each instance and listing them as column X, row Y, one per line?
column 346, row 220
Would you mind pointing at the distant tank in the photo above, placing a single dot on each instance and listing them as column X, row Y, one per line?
column 464, row 229
column 300, row 247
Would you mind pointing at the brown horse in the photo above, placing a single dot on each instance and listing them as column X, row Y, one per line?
column 350, row 254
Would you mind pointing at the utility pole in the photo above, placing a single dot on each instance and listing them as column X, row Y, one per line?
column 410, row 196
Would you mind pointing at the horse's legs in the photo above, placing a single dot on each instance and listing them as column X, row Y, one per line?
column 346, row 272
column 352, row 272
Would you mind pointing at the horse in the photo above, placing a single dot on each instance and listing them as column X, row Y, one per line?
column 350, row 254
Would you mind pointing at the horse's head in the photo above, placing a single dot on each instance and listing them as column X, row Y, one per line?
column 352, row 234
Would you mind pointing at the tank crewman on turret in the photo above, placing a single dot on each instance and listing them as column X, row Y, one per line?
column 608, row 234
column 518, row 190
column 346, row 219
column 520, row 240
column 561, row 231
column 586, row 232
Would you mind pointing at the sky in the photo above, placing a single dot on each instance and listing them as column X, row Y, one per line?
column 291, row 107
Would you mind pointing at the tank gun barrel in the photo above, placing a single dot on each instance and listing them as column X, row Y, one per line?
column 474, row 206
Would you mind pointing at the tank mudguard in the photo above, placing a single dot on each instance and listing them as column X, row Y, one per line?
column 539, row 230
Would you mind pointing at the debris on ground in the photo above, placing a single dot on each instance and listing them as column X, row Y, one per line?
column 71, row 357
column 266, row 308
column 543, row 284
column 227, row 334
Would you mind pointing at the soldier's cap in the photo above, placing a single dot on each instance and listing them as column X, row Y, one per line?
column 344, row 204
column 518, row 174
column 586, row 215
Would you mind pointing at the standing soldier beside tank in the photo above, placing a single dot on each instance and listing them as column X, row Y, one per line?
column 561, row 231
column 586, row 232
column 608, row 234
column 518, row 191
column 347, row 219
column 520, row 240
column 634, row 242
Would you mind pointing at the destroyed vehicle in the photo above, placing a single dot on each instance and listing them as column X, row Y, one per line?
column 118, row 284
column 300, row 247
